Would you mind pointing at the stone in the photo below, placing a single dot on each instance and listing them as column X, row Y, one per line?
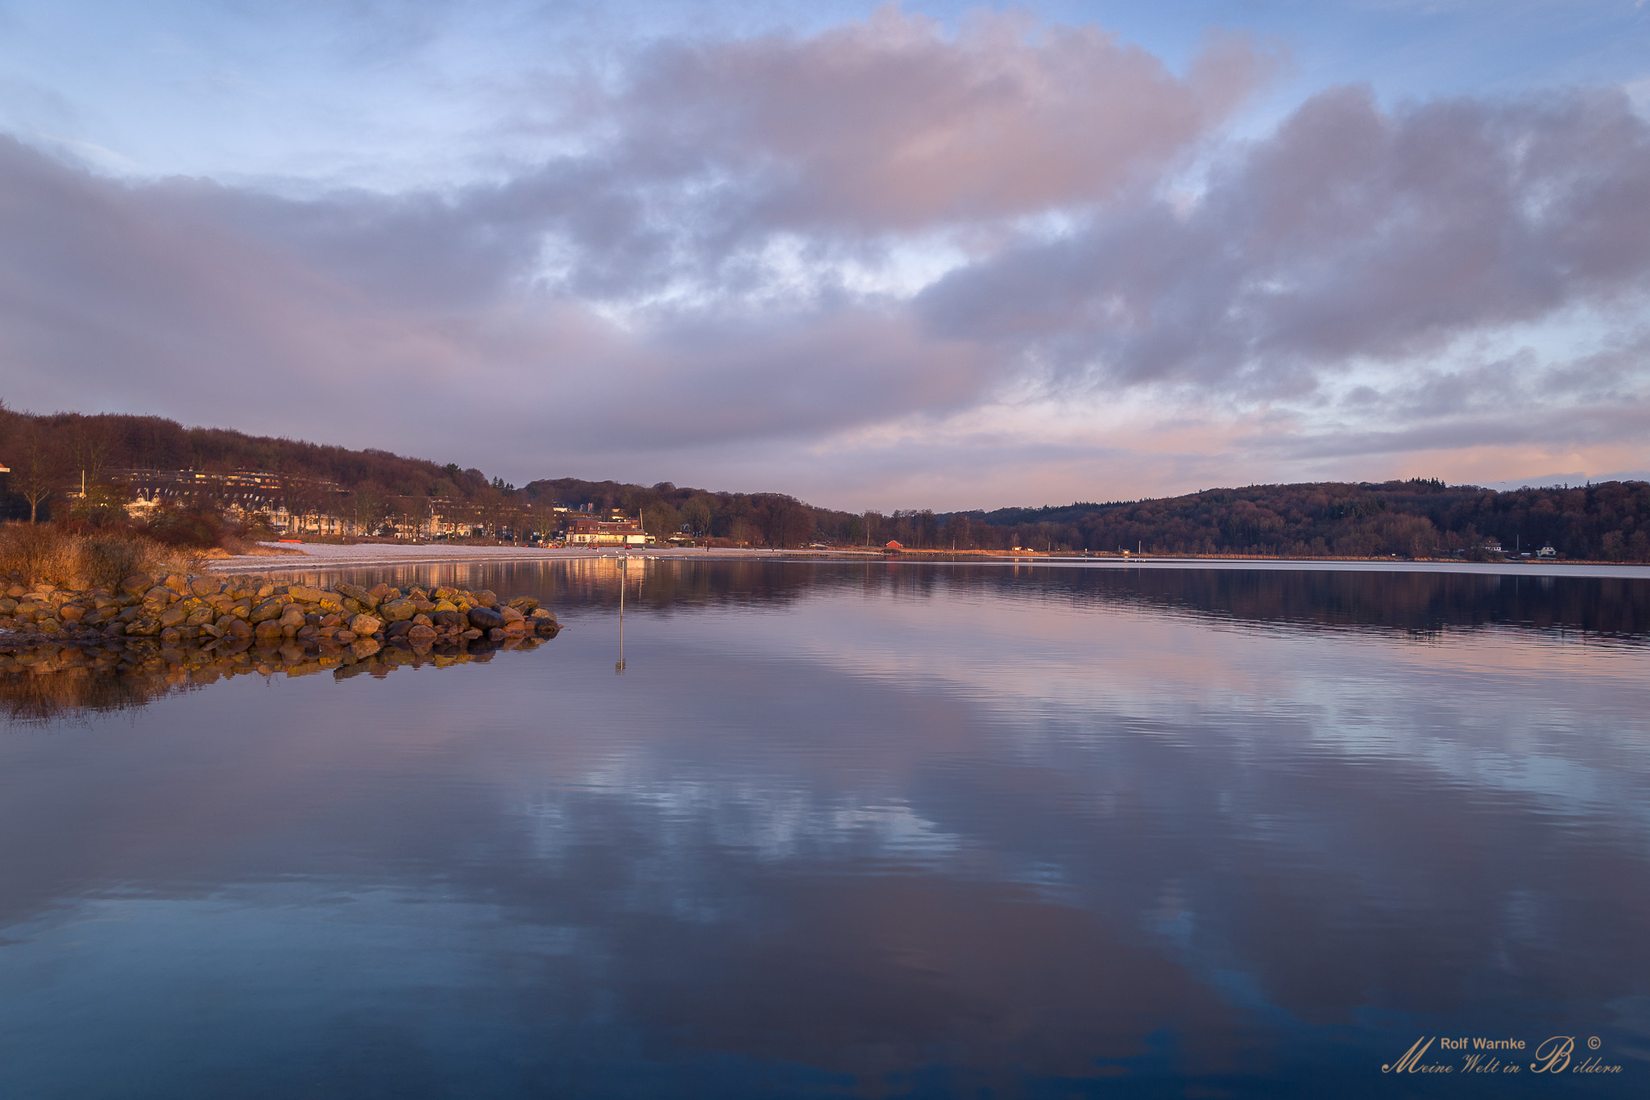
column 484, row 618
column 365, row 625
column 267, row 632
column 420, row 635
column 396, row 610
column 510, row 614
column 268, row 609
column 485, row 598
column 353, row 592
column 303, row 593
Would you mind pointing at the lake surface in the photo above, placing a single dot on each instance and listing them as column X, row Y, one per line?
column 858, row 829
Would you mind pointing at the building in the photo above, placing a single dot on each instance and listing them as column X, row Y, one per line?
column 606, row 532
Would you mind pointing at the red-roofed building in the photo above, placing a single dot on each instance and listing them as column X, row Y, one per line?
column 604, row 532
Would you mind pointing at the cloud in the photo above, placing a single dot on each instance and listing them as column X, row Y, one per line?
column 708, row 271
column 1351, row 233
column 892, row 125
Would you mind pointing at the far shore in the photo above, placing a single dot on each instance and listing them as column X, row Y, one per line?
column 309, row 557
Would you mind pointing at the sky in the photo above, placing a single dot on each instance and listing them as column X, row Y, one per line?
column 919, row 255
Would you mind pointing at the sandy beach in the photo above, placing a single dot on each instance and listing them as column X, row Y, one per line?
column 289, row 557
column 321, row 555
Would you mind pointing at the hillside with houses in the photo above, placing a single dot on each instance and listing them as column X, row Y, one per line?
column 179, row 482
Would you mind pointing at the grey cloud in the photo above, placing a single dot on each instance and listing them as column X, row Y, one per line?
column 219, row 307
column 891, row 125
column 1624, row 422
column 1351, row 232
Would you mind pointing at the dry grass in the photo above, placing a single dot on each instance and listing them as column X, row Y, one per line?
column 45, row 554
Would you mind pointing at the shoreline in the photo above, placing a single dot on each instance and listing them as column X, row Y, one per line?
column 329, row 556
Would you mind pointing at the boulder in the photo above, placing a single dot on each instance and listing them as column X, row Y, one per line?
column 396, row 610
column 268, row 609
column 485, row 618
column 365, row 625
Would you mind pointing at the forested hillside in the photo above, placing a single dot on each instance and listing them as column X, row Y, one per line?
column 1607, row 521
column 1419, row 518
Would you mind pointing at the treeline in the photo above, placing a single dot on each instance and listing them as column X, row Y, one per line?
column 56, row 448
column 1607, row 521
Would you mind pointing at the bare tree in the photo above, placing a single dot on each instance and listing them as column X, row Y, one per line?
column 41, row 468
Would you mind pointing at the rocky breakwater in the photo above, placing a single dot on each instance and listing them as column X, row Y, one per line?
column 177, row 613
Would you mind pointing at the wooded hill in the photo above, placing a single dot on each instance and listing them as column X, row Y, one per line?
column 1607, row 521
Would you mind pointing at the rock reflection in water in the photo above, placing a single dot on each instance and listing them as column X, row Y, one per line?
column 40, row 683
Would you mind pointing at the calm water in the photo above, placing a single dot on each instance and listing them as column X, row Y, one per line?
column 864, row 830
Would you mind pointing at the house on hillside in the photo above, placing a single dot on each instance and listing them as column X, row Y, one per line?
column 892, row 546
